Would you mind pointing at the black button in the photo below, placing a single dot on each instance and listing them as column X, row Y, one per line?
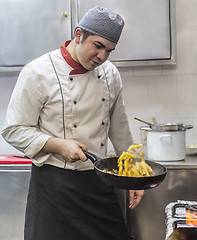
column 103, row 123
column 75, row 102
column 75, row 125
column 102, row 144
column 99, row 76
column 71, row 78
column 103, row 99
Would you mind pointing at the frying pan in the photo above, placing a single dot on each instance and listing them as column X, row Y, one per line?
column 124, row 182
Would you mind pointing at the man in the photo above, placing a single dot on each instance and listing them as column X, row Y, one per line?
column 64, row 102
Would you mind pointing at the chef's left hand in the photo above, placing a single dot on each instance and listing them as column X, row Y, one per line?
column 135, row 198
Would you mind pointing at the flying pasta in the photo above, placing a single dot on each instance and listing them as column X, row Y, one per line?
column 127, row 167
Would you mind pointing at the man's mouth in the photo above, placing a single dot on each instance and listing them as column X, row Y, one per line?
column 95, row 62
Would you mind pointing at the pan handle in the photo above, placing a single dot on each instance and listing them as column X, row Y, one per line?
column 91, row 156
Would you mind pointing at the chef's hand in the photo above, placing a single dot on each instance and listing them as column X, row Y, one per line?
column 135, row 198
column 69, row 150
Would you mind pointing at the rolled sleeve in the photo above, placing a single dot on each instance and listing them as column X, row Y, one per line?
column 36, row 145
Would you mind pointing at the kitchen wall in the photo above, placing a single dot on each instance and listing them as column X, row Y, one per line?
column 166, row 93
column 7, row 82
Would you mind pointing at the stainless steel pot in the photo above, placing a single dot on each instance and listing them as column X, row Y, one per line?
column 165, row 142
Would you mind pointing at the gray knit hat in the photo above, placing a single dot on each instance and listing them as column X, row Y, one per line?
column 103, row 22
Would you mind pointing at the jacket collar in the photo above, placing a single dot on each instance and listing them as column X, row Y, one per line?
column 77, row 68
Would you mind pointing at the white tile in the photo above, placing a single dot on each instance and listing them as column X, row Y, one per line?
column 135, row 92
column 186, row 16
column 135, row 96
column 162, row 96
column 147, row 70
column 126, row 72
column 187, row 96
column 183, row 58
column 194, row 51
column 191, row 135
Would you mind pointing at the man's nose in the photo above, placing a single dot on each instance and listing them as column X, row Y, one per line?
column 102, row 55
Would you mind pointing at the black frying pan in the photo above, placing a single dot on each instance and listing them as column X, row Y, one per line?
column 123, row 182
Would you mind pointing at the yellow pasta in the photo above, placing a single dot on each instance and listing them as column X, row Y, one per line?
column 137, row 169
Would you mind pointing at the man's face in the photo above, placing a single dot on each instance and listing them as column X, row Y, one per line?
column 94, row 51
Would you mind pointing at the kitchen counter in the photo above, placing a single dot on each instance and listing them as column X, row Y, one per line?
column 190, row 162
column 14, row 183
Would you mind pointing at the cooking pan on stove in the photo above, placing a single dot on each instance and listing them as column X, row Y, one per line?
column 123, row 182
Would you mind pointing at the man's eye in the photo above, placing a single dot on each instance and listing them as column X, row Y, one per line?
column 97, row 46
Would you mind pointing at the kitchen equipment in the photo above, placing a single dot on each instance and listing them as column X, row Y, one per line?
column 15, row 171
column 183, row 234
column 180, row 183
column 148, row 123
column 191, row 149
column 165, row 142
column 166, row 146
column 123, row 182
column 179, row 226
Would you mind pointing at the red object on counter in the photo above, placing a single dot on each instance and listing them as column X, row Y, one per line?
column 14, row 159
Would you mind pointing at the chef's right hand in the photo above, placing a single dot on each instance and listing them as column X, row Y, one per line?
column 69, row 150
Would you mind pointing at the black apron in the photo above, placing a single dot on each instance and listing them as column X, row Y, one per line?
column 72, row 205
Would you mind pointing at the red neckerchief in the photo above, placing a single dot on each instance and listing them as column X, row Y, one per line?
column 77, row 68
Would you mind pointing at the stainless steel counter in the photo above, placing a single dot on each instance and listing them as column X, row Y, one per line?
column 14, row 182
column 147, row 221
column 190, row 162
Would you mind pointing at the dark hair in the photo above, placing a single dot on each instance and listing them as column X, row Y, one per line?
column 86, row 34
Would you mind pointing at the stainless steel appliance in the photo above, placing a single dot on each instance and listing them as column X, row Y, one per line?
column 165, row 141
column 181, row 220
column 147, row 220
column 14, row 181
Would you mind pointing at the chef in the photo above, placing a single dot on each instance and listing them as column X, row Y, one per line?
column 66, row 101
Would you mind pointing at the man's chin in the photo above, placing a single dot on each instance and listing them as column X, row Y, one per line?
column 91, row 67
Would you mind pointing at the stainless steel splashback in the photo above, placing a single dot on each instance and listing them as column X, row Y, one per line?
column 31, row 28
column 14, row 182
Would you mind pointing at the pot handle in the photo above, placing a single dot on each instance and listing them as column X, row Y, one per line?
column 187, row 126
column 91, row 156
column 166, row 138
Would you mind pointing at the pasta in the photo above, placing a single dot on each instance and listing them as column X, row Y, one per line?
column 137, row 169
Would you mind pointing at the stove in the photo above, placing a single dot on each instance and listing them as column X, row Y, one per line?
column 181, row 220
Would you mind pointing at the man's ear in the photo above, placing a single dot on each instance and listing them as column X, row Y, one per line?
column 78, row 35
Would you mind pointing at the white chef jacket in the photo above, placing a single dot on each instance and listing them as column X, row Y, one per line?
column 56, row 97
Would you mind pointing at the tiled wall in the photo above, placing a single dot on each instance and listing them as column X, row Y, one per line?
column 167, row 93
